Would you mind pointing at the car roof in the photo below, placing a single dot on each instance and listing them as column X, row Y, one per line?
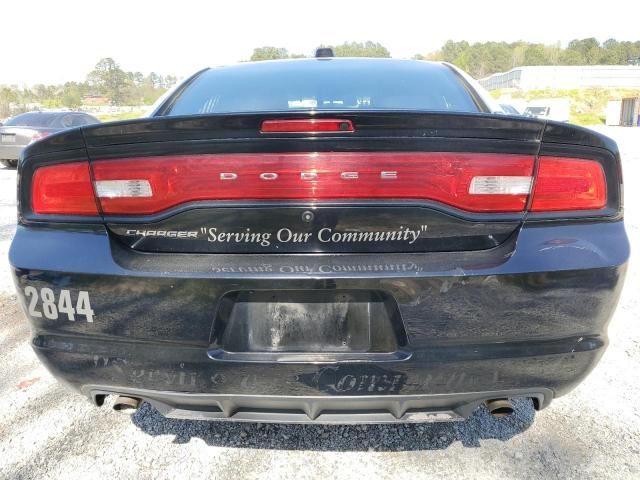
column 310, row 63
column 47, row 114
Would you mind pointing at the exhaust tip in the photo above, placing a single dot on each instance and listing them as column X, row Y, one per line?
column 126, row 404
column 500, row 407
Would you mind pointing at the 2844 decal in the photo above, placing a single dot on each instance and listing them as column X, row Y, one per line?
column 44, row 303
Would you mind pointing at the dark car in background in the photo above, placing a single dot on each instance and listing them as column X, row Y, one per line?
column 322, row 240
column 26, row 128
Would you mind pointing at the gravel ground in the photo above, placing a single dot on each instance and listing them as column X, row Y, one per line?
column 594, row 432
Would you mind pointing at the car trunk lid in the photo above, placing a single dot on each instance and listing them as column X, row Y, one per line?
column 390, row 182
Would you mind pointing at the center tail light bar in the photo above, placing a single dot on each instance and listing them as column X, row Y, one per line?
column 314, row 125
column 473, row 182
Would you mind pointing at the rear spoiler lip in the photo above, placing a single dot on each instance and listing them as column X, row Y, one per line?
column 368, row 124
column 566, row 133
column 62, row 141
column 389, row 124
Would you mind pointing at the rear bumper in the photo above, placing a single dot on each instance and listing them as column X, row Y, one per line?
column 325, row 410
column 10, row 152
column 528, row 318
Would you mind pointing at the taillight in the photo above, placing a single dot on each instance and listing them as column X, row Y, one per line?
column 314, row 125
column 63, row 189
column 468, row 181
column 569, row 184
column 489, row 183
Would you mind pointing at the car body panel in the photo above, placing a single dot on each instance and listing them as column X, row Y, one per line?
column 483, row 322
column 485, row 306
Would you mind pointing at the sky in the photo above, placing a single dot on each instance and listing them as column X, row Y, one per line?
column 54, row 41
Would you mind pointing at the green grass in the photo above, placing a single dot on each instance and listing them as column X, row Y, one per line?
column 114, row 117
column 586, row 118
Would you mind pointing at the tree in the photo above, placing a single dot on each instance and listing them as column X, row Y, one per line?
column 8, row 96
column 135, row 78
column 535, row 55
column 571, row 57
column 43, row 92
column 553, row 54
column 482, row 59
column 269, row 53
column 109, row 80
column 72, row 94
column 155, row 80
column 519, row 49
column 169, row 81
column 454, row 52
column 359, row 49
column 588, row 49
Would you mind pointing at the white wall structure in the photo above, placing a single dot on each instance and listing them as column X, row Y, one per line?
column 614, row 111
column 565, row 77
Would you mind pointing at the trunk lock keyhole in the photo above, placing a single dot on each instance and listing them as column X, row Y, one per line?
column 307, row 216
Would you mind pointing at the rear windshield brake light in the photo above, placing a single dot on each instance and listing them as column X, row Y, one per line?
column 316, row 125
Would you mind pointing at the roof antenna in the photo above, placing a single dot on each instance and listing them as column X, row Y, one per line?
column 324, row 52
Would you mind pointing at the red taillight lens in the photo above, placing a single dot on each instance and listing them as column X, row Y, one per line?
column 306, row 126
column 569, row 184
column 63, row 189
column 473, row 182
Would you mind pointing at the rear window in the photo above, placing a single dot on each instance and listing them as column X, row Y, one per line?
column 31, row 120
column 335, row 84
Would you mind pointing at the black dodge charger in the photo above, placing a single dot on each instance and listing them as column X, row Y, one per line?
column 321, row 240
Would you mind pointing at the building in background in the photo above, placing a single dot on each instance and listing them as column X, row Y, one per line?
column 565, row 77
column 96, row 100
column 625, row 112
column 613, row 113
